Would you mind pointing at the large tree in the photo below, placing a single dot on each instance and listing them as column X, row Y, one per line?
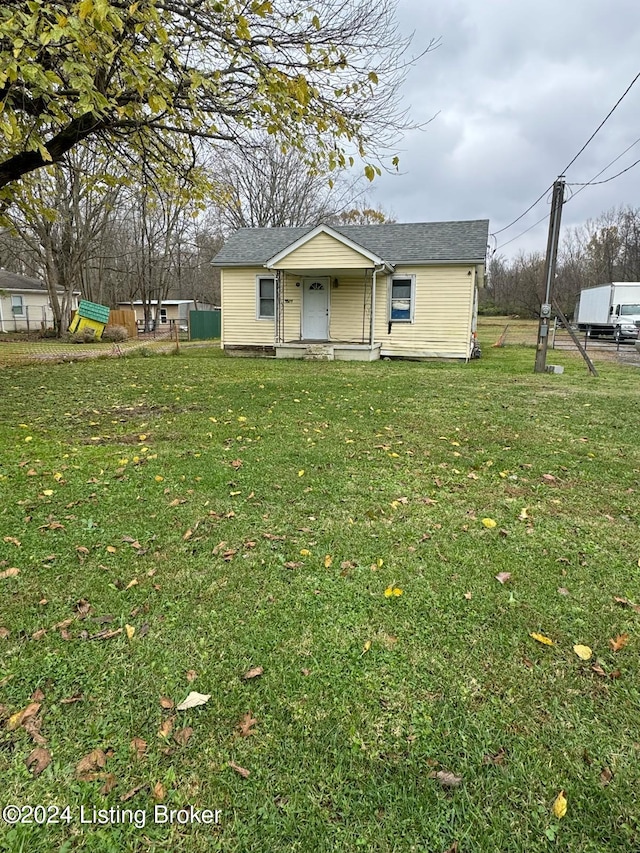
column 160, row 75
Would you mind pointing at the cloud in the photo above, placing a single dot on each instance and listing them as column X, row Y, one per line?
column 518, row 88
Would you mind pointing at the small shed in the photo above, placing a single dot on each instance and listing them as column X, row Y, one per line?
column 90, row 315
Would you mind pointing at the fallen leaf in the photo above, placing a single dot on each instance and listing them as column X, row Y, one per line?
column 191, row 675
column 39, row 634
column 254, row 672
column 106, row 634
column 38, row 760
column 468, row 596
column 447, row 779
column 182, row 736
column 82, row 608
column 549, row 478
column 131, row 583
column 237, row 463
column 21, row 717
column 503, row 577
column 489, row 522
column 328, row 560
column 366, row 647
column 37, row 695
column 560, row 805
column 583, row 652
column 392, row 591
column 524, row 514
column 305, row 552
column 624, row 602
column 130, row 631
column 246, row 725
column 10, row 573
column 158, row 792
column 606, row 776
column 111, row 550
column 305, row 671
column 4, row 633
column 292, row 564
column 12, row 541
column 110, row 783
column 453, row 848
column 130, row 794
column 166, row 728
column 619, row 643
column 87, row 766
column 72, row 699
column 166, row 703
column 139, row 746
column 496, row 759
column 241, row 770
column 193, row 700
column 599, row 670
column 563, row 590
column 542, row 639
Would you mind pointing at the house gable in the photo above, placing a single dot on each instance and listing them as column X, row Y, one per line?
column 323, row 248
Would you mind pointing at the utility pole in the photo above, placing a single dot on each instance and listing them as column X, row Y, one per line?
column 549, row 274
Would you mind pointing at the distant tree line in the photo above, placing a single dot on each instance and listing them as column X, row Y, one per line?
column 602, row 250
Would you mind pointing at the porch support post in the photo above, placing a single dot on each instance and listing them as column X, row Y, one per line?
column 373, row 309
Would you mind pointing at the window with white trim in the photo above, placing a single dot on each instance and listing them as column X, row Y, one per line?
column 402, row 297
column 265, row 297
column 17, row 305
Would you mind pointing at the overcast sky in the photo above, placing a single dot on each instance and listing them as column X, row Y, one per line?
column 518, row 87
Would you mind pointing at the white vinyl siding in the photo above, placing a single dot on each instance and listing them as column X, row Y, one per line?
column 265, row 297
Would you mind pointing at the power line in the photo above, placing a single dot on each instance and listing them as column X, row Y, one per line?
column 603, row 122
column 518, row 218
column 593, row 182
column 546, row 216
column 570, row 163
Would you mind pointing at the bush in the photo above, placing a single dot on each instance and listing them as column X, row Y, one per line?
column 86, row 336
column 115, row 334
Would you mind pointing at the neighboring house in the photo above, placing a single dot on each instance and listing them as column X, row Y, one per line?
column 353, row 292
column 24, row 303
column 171, row 310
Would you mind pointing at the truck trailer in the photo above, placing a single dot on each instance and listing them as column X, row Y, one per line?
column 611, row 309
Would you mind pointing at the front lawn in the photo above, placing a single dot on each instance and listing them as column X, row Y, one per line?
column 179, row 522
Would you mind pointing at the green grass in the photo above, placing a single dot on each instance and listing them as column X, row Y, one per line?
column 401, row 463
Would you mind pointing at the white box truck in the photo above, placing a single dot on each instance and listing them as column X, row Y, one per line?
column 610, row 309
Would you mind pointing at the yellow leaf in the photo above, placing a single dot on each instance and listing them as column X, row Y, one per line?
column 111, row 549
column 47, row 492
column 28, row 438
column 134, row 582
column 380, row 562
column 242, row 419
column 301, row 472
column 142, row 436
column 327, row 561
column 388, row 592
column 542, row 639
column 130, row 631
column 57, row 476
column 158, row 478
column 397, row 591
column 304, row 552
column 489, row 522
column 366, row 647
column 583, row 652
column 560, row 805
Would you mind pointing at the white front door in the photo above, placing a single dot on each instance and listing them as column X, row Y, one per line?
column 315, row 309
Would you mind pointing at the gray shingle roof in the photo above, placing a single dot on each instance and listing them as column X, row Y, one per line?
column 14, row 281
column 397, row 243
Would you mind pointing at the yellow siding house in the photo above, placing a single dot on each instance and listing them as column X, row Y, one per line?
column 353, row 292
